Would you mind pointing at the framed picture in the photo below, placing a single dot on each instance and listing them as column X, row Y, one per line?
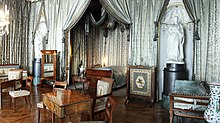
column 140, row 81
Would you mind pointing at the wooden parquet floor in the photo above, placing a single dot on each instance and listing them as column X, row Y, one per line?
column 134, row 112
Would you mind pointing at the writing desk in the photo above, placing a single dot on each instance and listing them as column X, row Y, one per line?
column 66, row 102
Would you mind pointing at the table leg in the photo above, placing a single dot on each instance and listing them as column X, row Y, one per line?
column 44, row 112
column 53, row 117
column 61, row 120
column 0, row 97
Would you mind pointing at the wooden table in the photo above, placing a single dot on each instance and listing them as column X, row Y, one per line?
column 5, row 83
column 79, row 80
column 65, row 103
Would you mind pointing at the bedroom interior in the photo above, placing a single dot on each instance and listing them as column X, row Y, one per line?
column 158, row 60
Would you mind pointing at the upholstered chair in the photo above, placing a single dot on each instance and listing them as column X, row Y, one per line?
column 16, row 74
column 22, row 93
column 109, row 108
column 103, row 91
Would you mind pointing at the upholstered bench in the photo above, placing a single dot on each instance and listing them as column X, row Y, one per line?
column 189, row 99
column 19, row 94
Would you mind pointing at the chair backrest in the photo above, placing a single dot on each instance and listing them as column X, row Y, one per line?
column 110, row 106
column 29, row 82
column 15, row 74
column 60, row 85
column 104, row 86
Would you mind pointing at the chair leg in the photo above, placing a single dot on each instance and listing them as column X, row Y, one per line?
column 29, row 100
column 25, row 100
column 38, row 115
column 10, row 101
column 14, row 103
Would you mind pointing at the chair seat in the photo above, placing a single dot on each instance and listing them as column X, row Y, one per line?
column 100, row 105
column 19, row 93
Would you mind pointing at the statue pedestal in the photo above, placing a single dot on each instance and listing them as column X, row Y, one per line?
column 172, row 72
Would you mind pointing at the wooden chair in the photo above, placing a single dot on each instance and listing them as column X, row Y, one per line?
column 110, row 106
column 16, row 74
column 21, row 93
column 58, row 85
column 103, row 91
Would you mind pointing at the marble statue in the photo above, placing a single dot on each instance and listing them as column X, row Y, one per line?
column 175, row 42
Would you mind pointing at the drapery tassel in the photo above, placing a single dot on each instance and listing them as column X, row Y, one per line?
column 156, row 31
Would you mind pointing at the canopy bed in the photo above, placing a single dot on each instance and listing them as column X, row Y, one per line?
column 118, row 73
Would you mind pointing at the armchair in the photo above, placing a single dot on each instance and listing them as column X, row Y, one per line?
column 110, row 106
column 103, row 91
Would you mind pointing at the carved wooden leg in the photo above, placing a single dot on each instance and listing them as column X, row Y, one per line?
column 38, row 115
column 14, row 103
column 25, row 100
column 53, row 118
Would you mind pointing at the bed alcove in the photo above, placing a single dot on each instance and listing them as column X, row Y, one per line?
column 92, row 44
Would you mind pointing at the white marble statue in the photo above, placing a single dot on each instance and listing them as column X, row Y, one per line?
column 175, row 42
column 39, row 38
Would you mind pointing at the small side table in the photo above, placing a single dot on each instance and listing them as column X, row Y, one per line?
column 77, row 79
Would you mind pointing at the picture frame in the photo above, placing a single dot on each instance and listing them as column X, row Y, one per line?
column 140, row 81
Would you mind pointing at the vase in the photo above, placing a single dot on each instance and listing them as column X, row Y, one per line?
column 212, row 113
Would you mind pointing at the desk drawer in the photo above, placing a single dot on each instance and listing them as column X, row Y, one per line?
column 48, row 103
column 78, row 107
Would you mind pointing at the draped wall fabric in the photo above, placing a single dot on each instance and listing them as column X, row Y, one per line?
column 119, row 9
column 208, row 49
column 17, row 51
column 107, row 51
column 143, row 50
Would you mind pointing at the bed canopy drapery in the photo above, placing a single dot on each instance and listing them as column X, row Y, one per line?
column 67, row 15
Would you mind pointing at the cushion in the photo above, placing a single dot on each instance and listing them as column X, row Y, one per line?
column 14, row 75
column 103, row 88
column 100, row 105
column 19, row 93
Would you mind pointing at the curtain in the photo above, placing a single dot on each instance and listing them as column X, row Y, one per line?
column 99, row 22
column 77, row 9
column 143, row 51
column 119, row 9
column 208, row 49
column 17, row 51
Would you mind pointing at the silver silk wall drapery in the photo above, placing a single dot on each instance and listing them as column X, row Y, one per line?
column 143, row 50
column 61, row 16
column 16, row 44
column 208, row 49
